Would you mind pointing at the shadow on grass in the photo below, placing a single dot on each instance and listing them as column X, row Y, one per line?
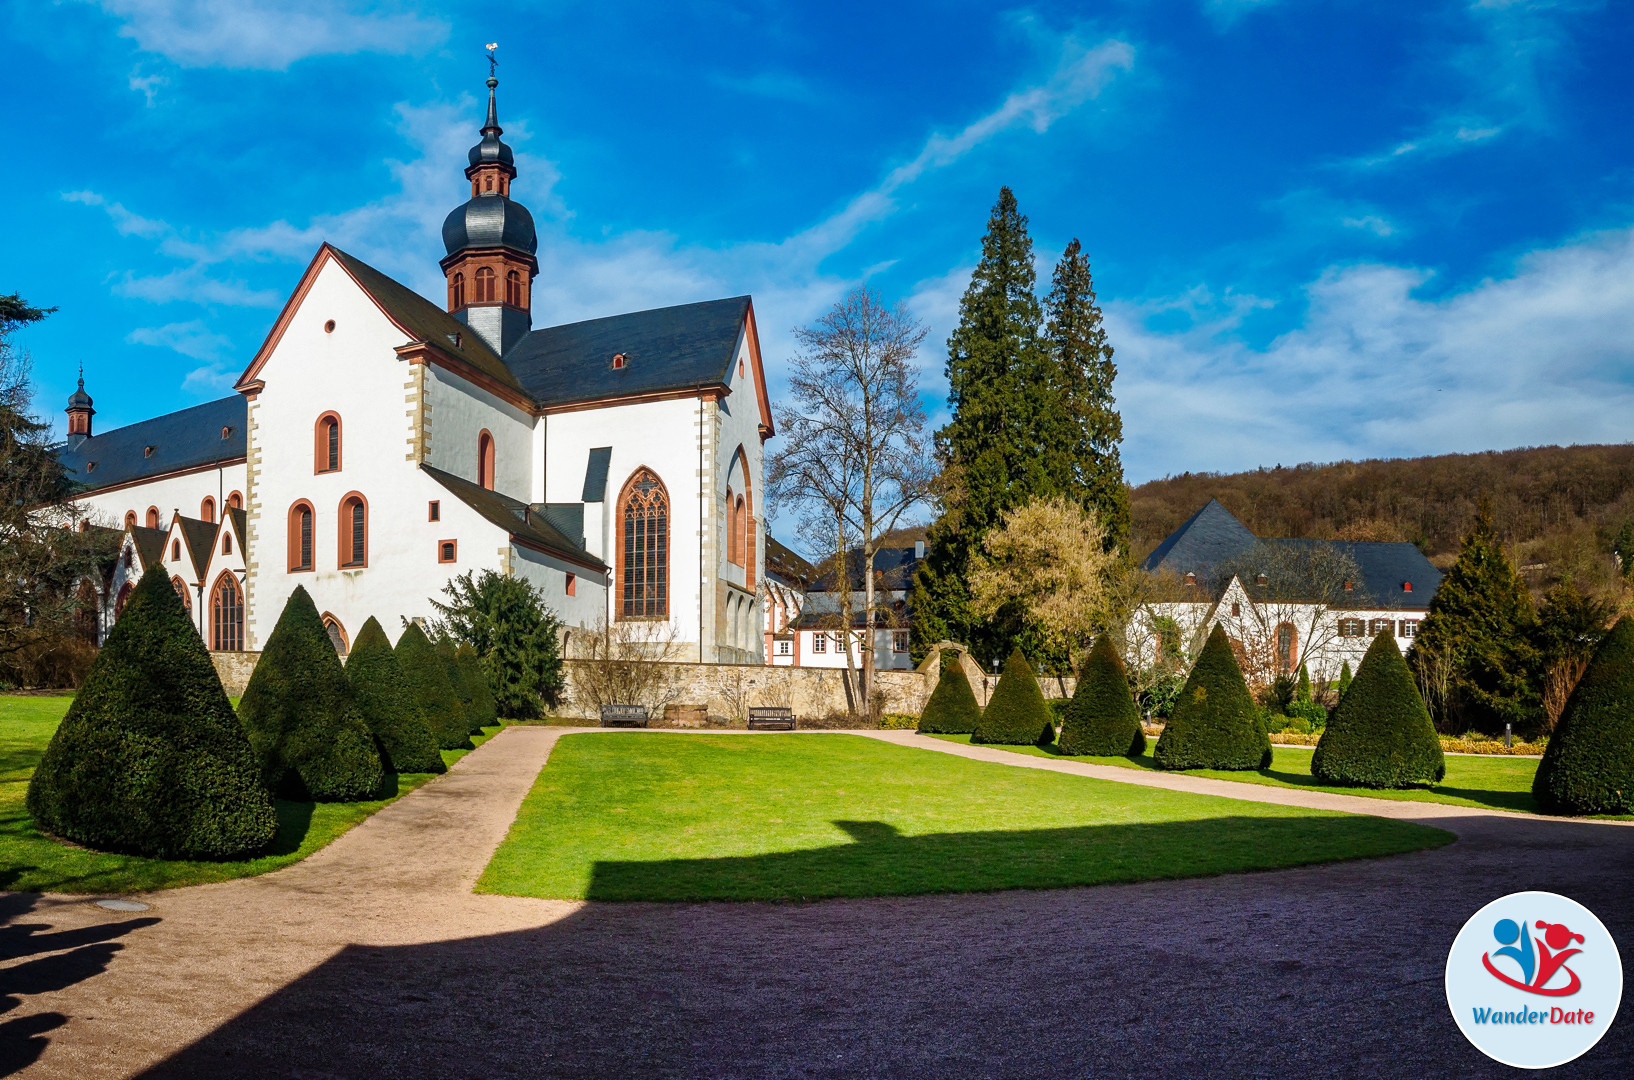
column 880, row 861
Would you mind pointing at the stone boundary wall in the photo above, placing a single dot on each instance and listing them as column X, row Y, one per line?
column 234, row 669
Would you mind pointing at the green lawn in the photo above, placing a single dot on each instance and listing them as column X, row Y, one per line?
column 1499, row 783
column 661, row 816
column 32, row 862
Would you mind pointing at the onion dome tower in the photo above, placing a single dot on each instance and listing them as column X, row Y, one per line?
column 490, row 241
column 79, row 413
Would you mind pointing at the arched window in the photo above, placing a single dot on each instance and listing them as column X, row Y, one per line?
column 326, row 444
column 153, row 517
column 746, row 522
column 741, row 538
column 130, row 519
column 181, row 590
column 227, row 614
column 1287, row 647
column 300, row 537
column 176, row 551
column 731, row 528
column 207, row 509
column 354, row 532
column 456, row 292
column 643, row 548
column 513, row 289
column 226, row 543
column 336, row 632
column 119, row 601
column 485, row 460
column 485, row 284
column 235, row 501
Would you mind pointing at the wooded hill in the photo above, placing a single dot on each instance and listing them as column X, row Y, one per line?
column 1557, row 508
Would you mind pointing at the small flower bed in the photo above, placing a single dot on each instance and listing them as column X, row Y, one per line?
column 1479, row 744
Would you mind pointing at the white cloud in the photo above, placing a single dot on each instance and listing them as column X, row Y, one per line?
column 270, row 33
column 127, row 223
column 1545, row 355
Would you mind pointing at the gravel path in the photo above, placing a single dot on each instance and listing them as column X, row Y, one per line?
column 373, row 959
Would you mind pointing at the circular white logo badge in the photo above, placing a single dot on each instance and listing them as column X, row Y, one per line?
column 1534, row 980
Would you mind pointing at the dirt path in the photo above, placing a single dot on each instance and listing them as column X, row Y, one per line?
column 373, row 959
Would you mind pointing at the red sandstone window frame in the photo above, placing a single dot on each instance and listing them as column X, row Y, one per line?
column 130, row 519
column 347, row 556
column 153, row 517
column 434, row 510
column 485, row 459
column 513, row 288
column 207, row 509
column 326, row 451
column 646, row 599
column 456, row 291
column 227, row 617
column 448, row 551
column 235, row 501
column 571, row 586
column 296, row 563
column 486, row 290
column 336, row 630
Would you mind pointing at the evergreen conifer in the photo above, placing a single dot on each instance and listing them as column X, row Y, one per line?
column 476, row 694
column 1481, row 622
column 306, row 729
column 456, row 679
column 1303, row 693
column 1215, row 723
column 1588, row 766
column 150, row 758
column 952, row 708
column 382, row 694
column 1016, row 715
column 1102, row 718
column 1344, row 679
column 1380, row 735
column 428, row 683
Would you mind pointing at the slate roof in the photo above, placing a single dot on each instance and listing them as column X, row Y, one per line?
column 514, row 517
column 895, row 565
column 595, row 474
column 1213, row 536
column 201, row 542
column 187, row 439
column 670, row 348
column 822, row 609
column 150, row 544
column 786, row 565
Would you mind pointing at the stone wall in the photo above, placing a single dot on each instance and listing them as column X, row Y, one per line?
column 234, row 669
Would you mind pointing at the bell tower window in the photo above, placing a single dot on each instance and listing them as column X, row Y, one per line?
column 513, row 289
column 456, row 292
column 485, row 285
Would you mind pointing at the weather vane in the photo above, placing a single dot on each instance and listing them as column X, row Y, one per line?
column 492, row 59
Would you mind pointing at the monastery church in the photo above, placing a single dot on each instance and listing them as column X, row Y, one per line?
column 378, row 445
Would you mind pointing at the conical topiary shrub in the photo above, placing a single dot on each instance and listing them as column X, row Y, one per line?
column 1303, row 691
column 1588, row 766
column 952, row 708
column 473, row 689
column 1344, row 679
column 1102, row 717
column 456, row 680
column 1380, row 735
column 382, row 695
column 428, row 684
column 1016, row 714
column 308, row 733
column 1214, row 724
column 150, row 759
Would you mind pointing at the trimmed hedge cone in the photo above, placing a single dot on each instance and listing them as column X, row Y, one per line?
column 1588, row 766
column 1215, row 724
column 1016, row 714
column 473, row 689
column 151, row 759
column 1381, row 735
column 428, row 684
column 952, row 708
column 306, row 729
column 1102, row 718
column 382, row 695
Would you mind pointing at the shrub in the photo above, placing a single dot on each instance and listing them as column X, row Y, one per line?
column 1016, row 714
column 1344, row 679
column 1273, row 722
column 428, row 684
column 898, row 721
column 1311, row 712
column 517, row 638
column 1298, row 725
column 1303, row 693
column 952, row 708
column 382, row 695
column 1101, row 718
column 308, row 734
column 446, row 653
column 473, row 689
column 1588, row 766
column 1380, row 735
column 1214, row 724
column 151, row 759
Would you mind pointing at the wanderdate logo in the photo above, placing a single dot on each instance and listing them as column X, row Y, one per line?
column 1534, row 980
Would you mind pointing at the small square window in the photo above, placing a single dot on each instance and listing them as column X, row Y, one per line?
column 783, row 648
column 447, row 550
column 1409, row 628
column 1236, row 610
column 899, row 641
column 572, row 584
column 819, row 643
column 434, row 510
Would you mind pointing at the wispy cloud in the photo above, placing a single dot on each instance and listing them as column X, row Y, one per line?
column 270, row 33
column 190, row 338
column 1226, row 13
column 125, row 222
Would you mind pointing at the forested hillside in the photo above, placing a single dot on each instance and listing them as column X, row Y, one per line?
column 1557, row 508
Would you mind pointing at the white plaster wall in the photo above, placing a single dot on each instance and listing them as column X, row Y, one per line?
column 460, row 412
column 585, row 609
column 739, row 420
column 184, row 492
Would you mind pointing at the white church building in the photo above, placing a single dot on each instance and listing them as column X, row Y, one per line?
column 380, row 444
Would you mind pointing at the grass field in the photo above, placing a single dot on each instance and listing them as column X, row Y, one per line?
column 32, row 862
column 1497, row 783
column 660, row 816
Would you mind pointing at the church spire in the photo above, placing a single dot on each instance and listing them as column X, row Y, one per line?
column 492, row 126
column 79, row 409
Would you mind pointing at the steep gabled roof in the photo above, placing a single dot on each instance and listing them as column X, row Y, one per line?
column 786, row 565
column 1210, row 536
column 186, row 439
column 667, row 349
column 514, row 517
column 1385, row 568
column 200, row 538
column 150, row 544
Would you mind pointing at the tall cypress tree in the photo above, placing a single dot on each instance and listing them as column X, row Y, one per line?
column 998, row 450
column 1084, row 370
column 1480, row 626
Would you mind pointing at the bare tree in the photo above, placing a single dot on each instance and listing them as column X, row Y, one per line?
column 855, row 457
column 1288, row 592
column 626, row 664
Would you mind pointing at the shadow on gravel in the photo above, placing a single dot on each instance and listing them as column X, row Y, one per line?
column 1334, row 970
column 62, row 958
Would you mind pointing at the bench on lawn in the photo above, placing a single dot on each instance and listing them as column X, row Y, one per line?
column 771, row 719
column 623, row 716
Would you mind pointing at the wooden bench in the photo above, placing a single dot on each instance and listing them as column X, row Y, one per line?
column 771, row 719
column 623, row 716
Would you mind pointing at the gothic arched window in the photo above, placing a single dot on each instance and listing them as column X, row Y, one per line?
column 513, row 289
column 354, row 532
column 485, row 284
column 227, row 614
column 336, row 632
column 643, row 548
column 181, row 590
column 300, row 537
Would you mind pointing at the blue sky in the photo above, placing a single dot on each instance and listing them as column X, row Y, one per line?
column 1319, row 230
